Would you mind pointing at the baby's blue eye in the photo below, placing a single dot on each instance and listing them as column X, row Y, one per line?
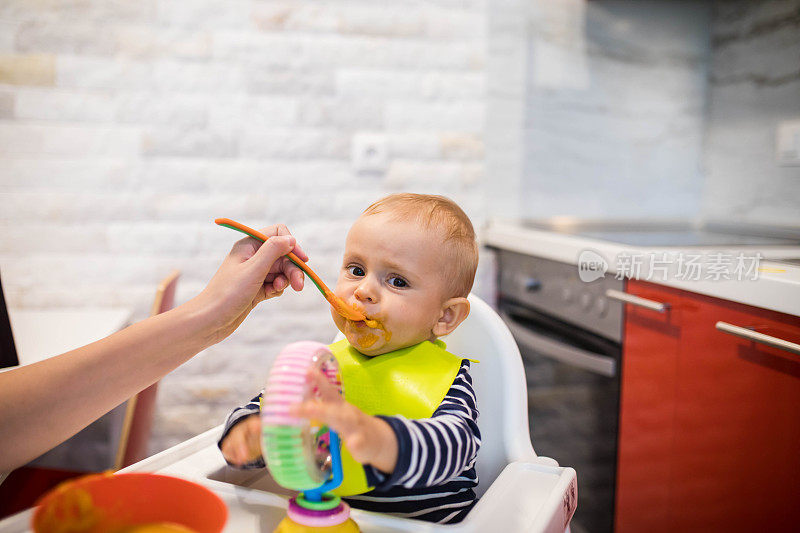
column 398, row 282
column 355, row 270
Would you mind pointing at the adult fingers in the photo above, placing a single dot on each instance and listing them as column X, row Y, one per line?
column 279, row 283
column 281, row 229
column 297, row 278
column 270, row 252
column 292, row 272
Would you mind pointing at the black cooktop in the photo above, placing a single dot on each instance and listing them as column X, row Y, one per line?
column 669, row 234
column 790, row 261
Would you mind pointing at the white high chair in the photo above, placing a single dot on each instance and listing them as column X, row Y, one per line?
column 502, row 395
column 520, row 492
column 501, row 389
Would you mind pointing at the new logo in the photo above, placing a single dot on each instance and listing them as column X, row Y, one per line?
column 591, row 266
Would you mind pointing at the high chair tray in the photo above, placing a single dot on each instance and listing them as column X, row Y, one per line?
column 527, row 496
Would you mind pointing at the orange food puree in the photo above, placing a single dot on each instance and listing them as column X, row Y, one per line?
column 374, row 324
column 74, row 512
column 368, row 339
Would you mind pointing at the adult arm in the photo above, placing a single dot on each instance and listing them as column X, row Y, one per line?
column 44, row 403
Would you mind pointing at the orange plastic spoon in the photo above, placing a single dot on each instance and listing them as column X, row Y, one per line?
column 337, row 303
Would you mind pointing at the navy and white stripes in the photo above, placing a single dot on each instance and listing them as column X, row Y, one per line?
column 435, row 476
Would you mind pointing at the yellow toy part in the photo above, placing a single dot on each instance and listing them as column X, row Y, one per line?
column 288, row 525
column 411, row 382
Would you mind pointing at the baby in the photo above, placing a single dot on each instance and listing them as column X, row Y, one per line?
column 409, row 264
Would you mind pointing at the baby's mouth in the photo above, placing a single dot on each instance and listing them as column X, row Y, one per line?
column 368, row 323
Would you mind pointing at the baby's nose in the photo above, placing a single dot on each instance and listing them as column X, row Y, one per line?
column 364, row 293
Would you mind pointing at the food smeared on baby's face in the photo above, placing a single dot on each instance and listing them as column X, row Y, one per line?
column 366, row 340
column 371, row 323
column 365, row 333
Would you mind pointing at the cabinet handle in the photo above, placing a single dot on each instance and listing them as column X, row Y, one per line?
column 755, row 336
column 636, row 300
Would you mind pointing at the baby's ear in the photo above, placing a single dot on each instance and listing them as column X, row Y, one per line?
column 454, row 311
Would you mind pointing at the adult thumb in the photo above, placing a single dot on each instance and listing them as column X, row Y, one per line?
column 271, row 251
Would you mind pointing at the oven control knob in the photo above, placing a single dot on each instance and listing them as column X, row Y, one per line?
column 532, row 284
column 566, row 294
column 585, row 301
column 601, row 305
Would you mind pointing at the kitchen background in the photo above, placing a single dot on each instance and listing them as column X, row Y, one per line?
column 127, row 127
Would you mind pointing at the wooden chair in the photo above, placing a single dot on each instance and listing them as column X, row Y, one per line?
column 138, row 421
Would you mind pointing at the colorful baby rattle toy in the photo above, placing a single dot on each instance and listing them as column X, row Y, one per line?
column 300, row 454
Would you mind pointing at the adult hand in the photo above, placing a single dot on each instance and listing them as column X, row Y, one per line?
column 95, row 378
column 251, row 273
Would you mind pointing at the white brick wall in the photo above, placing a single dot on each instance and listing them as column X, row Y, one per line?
column 127, row 127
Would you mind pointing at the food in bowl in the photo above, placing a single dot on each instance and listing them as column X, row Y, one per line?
column 129, row 503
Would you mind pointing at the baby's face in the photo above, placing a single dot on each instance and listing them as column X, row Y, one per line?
column 392, row 271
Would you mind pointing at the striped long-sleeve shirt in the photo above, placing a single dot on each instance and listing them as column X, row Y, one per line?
column 435, row 477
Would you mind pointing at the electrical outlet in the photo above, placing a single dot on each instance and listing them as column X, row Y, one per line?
column 370, row 153
column 787, row 143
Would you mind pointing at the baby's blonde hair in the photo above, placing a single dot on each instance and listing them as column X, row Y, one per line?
column 460, row 253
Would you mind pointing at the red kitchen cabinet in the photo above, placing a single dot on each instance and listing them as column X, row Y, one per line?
column 729, row 459
column 737, row 426
column 647, row 411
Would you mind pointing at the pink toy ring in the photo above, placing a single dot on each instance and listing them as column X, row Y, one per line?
column 296, row 450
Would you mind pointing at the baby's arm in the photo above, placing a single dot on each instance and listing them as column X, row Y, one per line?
column 434, row 450
column 241, row 440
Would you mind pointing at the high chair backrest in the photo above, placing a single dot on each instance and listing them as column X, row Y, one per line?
column 500, row 386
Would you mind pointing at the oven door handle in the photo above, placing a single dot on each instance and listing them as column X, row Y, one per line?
column 596, row 363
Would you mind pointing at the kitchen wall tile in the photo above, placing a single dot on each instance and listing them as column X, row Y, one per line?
column 754, row 86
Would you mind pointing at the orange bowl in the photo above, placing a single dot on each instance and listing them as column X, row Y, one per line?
column 111, row 503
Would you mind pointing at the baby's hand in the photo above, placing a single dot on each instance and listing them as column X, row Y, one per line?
column 242, row 444
column 369, row 439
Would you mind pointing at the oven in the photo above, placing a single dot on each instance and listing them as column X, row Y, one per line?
column 569, row 334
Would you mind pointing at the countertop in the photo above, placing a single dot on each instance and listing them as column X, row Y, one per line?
column 762, row 282
column 43, row 333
